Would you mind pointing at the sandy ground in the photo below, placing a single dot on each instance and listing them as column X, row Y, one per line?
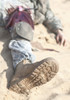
column 59, row 87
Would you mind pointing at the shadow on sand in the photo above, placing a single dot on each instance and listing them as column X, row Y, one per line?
column 5, row 53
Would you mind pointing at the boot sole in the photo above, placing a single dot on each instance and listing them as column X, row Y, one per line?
column 42, row 74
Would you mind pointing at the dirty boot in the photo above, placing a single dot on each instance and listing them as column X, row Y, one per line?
column 31, row 75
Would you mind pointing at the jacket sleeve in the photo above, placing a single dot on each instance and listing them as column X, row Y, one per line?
column 51, row 21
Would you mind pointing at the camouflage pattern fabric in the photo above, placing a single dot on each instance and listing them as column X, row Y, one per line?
column 43, row 14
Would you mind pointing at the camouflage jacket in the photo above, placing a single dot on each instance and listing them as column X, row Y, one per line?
column 42, row 13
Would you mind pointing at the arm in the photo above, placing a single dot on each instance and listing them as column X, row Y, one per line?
column 54, row 25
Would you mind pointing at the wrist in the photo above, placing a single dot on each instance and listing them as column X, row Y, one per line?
column 58, row 31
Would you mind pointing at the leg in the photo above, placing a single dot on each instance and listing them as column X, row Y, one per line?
column 31, row 75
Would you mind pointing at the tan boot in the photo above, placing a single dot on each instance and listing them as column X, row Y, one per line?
column 30, row 75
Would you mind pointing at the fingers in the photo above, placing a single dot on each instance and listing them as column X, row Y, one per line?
column 60, row 40
column 11, row 9
column 57, row 38
column 64, row 43
column 12, row 6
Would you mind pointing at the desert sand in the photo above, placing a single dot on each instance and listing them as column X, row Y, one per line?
column 59, row 87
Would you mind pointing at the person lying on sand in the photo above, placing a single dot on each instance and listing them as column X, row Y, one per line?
column 20, row 21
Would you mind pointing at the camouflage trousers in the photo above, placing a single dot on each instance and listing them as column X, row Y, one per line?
column 21, row 50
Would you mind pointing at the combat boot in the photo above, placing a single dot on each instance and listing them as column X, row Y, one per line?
column 28, row 75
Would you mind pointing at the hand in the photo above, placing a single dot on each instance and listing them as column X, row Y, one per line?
column 60, row 39
column 10, row 10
